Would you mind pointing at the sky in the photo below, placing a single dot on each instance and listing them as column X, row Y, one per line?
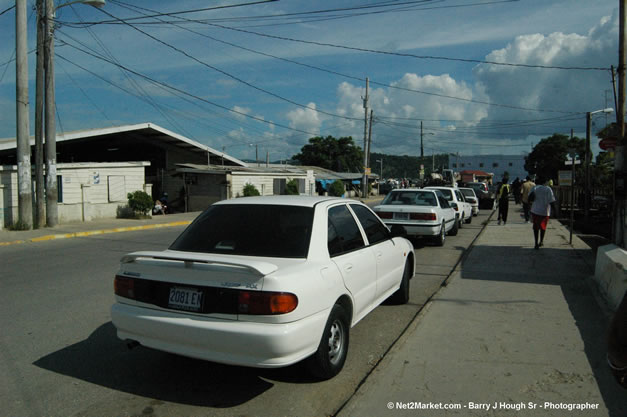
column 481, row 76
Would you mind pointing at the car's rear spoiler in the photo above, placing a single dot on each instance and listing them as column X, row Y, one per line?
column 256, row 267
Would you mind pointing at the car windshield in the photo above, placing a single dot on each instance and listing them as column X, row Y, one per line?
column 410, row 198
column 250, row 229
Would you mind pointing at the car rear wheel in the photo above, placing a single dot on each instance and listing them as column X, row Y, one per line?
column 469, row 219
column 441, row 237
column 401, row 296
column 329, row 359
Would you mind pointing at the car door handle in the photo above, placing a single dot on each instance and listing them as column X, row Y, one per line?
column 348, row 268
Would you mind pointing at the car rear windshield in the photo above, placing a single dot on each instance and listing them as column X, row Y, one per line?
column 410, row 198
column 275, row 231
column 468, row 193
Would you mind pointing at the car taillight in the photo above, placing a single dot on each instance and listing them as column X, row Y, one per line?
column 265, row 302
column 423, row 216
column 454, row 205
column 471, row 200
column 384, row 214
column 124, row 286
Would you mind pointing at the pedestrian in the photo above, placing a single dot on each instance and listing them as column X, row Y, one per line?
column 526, row 187
column 541, row 197
column 503, row 200
column 516, row 190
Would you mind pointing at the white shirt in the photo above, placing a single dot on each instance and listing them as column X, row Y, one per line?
column 542, row 203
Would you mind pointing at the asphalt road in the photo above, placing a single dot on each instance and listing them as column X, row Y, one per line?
column 59, row 355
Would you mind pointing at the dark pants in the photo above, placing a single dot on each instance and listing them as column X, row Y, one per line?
column 503, row 208
column 526, row 208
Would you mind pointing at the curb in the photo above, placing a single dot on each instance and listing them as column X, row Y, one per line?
column 98, row 232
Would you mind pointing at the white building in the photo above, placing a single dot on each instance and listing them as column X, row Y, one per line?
column 514, row 165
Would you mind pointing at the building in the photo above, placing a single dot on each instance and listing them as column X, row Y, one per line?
column 498, row 165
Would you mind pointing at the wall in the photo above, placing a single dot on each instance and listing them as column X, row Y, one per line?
column 264, row 182
column 88, row 190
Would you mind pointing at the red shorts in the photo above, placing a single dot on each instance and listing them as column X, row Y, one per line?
column 539, row 222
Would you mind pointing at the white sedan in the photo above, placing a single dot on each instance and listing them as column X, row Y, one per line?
column 418, row 212
column 457, row 201
column 264, row 282
column 471, row 197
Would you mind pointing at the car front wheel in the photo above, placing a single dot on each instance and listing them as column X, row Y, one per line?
column 331, row 354
column 401, row 296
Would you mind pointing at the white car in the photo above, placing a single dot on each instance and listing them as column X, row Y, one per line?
column 471, row 197
column 456, row 200
column 418, row 212
column 264, row 282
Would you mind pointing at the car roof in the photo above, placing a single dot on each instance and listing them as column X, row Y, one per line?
column 285, row 200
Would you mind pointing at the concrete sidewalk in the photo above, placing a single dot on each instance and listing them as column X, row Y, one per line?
column 516, row 332
column 94, row 227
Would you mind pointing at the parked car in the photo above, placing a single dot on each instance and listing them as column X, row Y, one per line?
column 264, row 282
column 486, row 196
column 471, row 197
column 418, row 212
column 457, row 201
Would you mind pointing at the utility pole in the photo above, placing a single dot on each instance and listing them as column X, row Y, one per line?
column 25, row 198
column 40, row 213
column 370, row 136
column 422, row 151
column 52, row 213
column 619, row 160
column 364, row 180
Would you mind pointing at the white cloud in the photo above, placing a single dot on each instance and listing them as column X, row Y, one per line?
column 308, row 120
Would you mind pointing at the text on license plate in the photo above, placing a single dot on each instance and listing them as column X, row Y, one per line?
column 185, row 299
column 401, row 216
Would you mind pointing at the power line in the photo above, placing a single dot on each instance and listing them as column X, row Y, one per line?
column 231, row 75
column 339, row 73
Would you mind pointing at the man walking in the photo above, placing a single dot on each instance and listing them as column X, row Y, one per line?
column 542, row 197
column 503, row 200
column 526, row 189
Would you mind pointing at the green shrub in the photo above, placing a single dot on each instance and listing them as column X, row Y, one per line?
column 291, row 188
column 336, row 189
column 250, row 190
column 140, row 202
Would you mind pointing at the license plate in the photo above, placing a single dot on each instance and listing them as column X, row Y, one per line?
column 401, row 216
column 185, row 299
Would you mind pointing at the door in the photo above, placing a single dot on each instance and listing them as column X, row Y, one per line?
column 390, row 261
column 353, row 259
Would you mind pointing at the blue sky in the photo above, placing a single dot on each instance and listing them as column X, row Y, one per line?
column 272, row 75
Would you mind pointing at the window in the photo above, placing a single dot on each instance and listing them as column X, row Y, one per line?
column 480, row 164
column 116, row 188
column 59, row 189
column 454, row 165
column 343, row 233
column 375, row 230
column 463, row 165
column 495, row 165
column 511, row 164
column 250, row 229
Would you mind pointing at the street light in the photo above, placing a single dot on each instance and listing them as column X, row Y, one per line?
column 52, row 214
column 588, row 157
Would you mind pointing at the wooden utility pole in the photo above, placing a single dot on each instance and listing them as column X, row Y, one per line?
column 370, row 136
column 619, row 160
column 40, row 212
column 52, row 210
column 364, row 179
column 24, row 183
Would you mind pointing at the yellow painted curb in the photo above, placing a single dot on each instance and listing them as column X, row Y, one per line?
column 99, row 232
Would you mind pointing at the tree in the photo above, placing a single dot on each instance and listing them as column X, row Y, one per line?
column 291, row 188
column 339, row 155
column 549, row 155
